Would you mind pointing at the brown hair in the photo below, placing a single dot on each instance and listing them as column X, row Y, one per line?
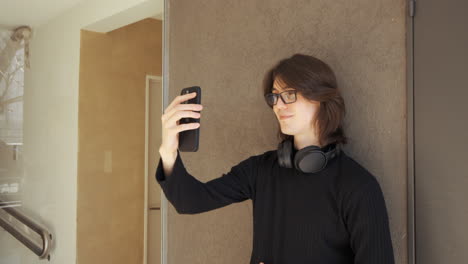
column 315, row 80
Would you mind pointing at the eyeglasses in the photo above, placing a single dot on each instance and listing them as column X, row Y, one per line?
column 287, row 97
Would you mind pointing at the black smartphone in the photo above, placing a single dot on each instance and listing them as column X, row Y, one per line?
column 188, row 139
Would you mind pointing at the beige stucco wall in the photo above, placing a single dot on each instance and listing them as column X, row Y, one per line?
column 111, row 158
column 226, row 47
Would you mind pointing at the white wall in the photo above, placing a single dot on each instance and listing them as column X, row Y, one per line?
column 51, row 126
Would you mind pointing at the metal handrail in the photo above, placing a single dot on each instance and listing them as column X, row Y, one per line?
column 29, row 243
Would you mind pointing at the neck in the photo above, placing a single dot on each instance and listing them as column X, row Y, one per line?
column 302, row 141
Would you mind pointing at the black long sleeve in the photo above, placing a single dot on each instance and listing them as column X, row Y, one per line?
column 190, row 196
column 336, row 216
column 367, row 222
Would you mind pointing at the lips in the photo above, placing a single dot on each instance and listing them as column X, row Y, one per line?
column 283, row 117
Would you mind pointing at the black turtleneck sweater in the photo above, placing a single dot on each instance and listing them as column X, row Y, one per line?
column 335, row 216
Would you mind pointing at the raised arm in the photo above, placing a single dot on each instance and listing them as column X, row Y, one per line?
column 190, row 196
column 186, row 193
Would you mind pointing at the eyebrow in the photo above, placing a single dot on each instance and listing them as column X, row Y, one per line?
column 285, row 89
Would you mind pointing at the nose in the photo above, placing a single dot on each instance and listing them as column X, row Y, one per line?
column 280, row 104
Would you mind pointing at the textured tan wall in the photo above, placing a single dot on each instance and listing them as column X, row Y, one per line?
column 113, row 67
column 226, row 47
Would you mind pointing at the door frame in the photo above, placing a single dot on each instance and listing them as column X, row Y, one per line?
column 146, row 172
column 410, row 132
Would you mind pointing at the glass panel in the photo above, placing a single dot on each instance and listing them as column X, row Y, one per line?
column 11, row 119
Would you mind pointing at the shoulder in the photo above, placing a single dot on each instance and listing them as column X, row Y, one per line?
column 261, row 158
column 257, row 160
column 353, row 178
column 268, row 156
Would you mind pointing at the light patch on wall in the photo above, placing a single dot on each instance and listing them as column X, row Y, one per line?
column 108, row 161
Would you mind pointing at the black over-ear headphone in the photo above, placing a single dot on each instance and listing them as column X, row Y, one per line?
column 310, row 159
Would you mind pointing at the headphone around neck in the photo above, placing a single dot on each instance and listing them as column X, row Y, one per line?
column 310, row 159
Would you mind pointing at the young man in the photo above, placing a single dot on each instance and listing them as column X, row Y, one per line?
column 312, row 202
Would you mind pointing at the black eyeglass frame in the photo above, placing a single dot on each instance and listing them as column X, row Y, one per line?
column 276, row 95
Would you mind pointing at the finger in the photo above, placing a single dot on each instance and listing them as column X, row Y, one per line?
column 188, row 126
column 181, row 114
column 194, row 107
column 180, row 107
column 179, row 99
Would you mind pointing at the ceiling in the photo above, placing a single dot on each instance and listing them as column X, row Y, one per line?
column 31, row 12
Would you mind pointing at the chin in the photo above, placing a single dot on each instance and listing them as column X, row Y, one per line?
column 287, row 132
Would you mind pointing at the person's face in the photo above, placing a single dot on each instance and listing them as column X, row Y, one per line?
column 294, row 118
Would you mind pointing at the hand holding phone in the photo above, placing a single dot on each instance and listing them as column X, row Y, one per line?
column 174, row 121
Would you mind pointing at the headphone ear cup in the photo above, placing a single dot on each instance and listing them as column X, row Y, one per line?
column 284, row 154
column 310, row 159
